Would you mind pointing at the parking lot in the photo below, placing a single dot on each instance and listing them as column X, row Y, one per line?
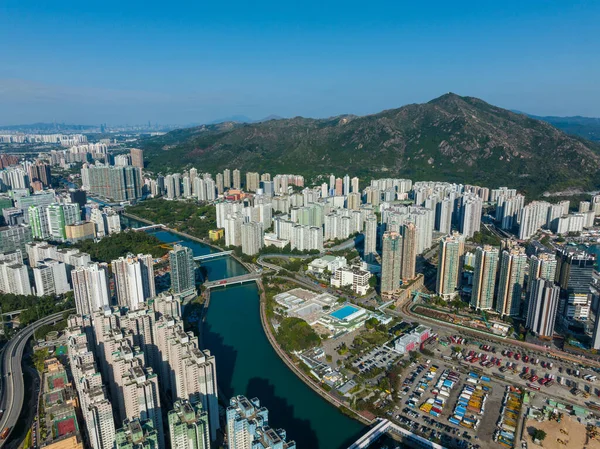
column 411, row 417
column 379, row 357
column 441, row 429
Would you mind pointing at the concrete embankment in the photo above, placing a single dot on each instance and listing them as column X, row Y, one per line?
column 291, row 365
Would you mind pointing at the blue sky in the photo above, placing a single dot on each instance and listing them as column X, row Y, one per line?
column 182, row 62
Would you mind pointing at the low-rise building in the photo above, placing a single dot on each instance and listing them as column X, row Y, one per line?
column 411, row 341
column 271, row 239
column 327, row 263
column 354, row 277
column 216, row 234
column 301, row 303
column 60, row 406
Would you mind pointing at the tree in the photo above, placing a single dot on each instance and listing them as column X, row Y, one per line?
column 39, row 357
column 295, row 334
column 539, row 435
column 414, row 355
column 384, row 384
column 373, row 281
column 371, row 323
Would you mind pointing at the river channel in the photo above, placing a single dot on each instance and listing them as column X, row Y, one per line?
column 248, row 365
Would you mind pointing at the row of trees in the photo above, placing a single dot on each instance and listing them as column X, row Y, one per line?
column 35, row 307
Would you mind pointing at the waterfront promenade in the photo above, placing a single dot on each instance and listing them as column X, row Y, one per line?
column 312, row 383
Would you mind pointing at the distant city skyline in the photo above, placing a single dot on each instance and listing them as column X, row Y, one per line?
column 193, row 63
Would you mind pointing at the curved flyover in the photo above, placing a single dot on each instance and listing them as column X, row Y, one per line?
column 13, row 388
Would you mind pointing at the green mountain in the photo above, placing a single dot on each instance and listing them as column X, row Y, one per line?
column 586, row 127
column 451, row 138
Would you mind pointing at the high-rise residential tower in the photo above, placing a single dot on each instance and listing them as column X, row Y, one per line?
column 188, row 426
column 248, row 426
column 541, row 266
column 227, row 178
column 346, row 186
column 142, row 398
column 513, row 266
column 252, row 181
column 252, row 238
column 370, row 246
column 449, row 266
column 116, row 183
column 237, row 179
column 391, row 262
column 409, row 251
column 137, row 157
column 219, row 184
column 90, row 285
column 484, row 278
column 137, row 434
column 543, row 305
column 134, row 279
column 183, row 270
column 471, row 210
column 59, row 216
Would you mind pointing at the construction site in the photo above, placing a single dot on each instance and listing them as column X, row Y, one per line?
column 566, row 434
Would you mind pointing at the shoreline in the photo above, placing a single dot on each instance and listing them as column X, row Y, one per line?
column 306, row 379
column 299, row 373
column 183, row 234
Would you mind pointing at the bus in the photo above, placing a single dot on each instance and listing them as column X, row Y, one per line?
column 534, row 386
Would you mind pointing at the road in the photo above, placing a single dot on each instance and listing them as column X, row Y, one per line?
column 405, row 312
column 260, row 261
column 350, row 243
column 13, row 389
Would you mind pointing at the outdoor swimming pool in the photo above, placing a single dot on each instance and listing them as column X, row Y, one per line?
column 344, row 312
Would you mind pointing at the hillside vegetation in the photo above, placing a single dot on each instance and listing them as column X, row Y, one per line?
column 451, row 138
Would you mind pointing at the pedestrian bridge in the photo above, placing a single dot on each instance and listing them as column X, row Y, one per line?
column 147, row 228
column 383, row 426
column 213, row 255
column 250, row 277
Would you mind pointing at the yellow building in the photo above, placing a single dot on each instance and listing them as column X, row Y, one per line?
column 66, row 443
column 80, row 231
column 216, row 234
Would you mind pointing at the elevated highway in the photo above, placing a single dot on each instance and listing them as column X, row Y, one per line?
column 13, row 389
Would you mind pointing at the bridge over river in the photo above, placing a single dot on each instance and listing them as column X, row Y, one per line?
column 250, row 277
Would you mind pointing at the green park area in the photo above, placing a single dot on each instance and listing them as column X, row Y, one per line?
column 116, row 245
column 183, row 216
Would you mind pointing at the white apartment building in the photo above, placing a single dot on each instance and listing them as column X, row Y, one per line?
column 134, row 279
column 252, row 238
column 14, row 278
column 91, row 288
column 50, row 278
column 355, row 277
